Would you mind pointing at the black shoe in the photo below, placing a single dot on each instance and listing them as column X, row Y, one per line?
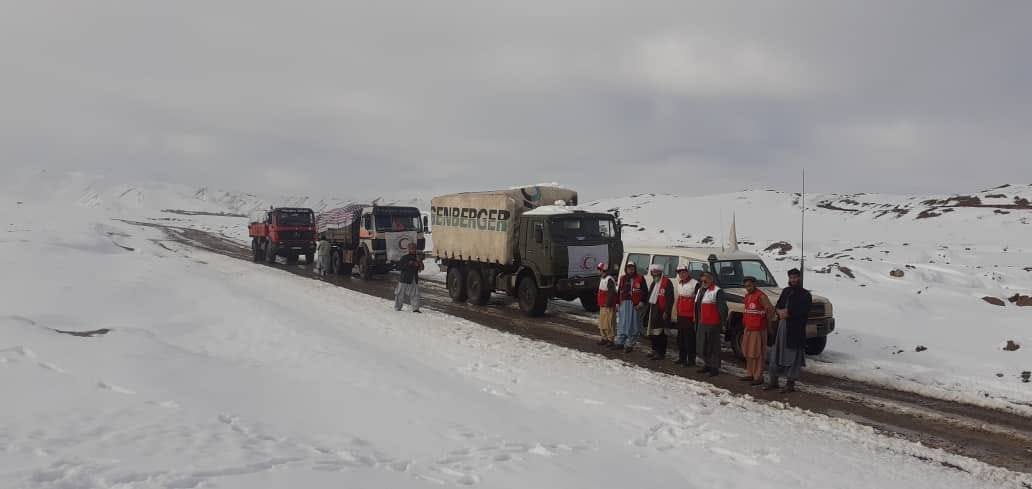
column 417, row 311
column 789, row 387
column 702, row 370
column 681, row 362
column 628, row 349
column 615, row 346
column 757, row 383
column 603, row 342
column 714, row 372
column 770, row 386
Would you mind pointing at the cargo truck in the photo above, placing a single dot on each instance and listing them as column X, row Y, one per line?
column 283, row 231
column 532, row 243
column 371, row 237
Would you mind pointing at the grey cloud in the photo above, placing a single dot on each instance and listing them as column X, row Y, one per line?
column 392, row 98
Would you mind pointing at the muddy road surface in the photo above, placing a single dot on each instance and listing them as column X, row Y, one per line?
column 995, row 437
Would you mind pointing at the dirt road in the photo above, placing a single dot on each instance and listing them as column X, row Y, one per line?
column 995, row 437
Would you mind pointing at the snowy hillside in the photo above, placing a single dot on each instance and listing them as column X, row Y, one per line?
column 206, row 371
column 949, row 253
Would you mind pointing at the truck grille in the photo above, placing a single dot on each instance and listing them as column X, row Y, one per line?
column 297, row 235
column 816, row 310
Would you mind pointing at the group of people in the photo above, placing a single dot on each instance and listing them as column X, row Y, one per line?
column 696, row 311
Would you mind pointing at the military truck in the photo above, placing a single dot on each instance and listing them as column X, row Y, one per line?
column 372, row 237
column 729, row 268
column 533, row 243
column 283, row 231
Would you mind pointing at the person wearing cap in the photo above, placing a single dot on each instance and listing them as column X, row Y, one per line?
column 757, row 314
column 711, row 317
column 607, row 298
column 630, row 310
column 684, row 315
column 788, row 355
column 661, row 306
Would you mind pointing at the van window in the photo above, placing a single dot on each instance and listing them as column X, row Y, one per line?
column 639, row 260
column 696, row 268
column 669, row 264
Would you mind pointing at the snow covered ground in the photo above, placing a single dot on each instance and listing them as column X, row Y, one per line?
column 219, row 373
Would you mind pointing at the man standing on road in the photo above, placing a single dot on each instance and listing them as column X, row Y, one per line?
column 630, row 311
column 408, row 285
column 711, row 314
column 661, row 306
column 685, row 290
column 756, row 317
column 793, row 309
column 607, row 298
column 322, row 255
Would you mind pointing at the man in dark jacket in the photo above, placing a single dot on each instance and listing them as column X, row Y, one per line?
column 711, row 320
column 787, row 355
column 408, row 285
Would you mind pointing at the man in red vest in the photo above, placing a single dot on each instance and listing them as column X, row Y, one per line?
column 607, row 298
column 756, row 318
column 685, row 291
column 661, row 306
column 630, row 310
column 711, row 317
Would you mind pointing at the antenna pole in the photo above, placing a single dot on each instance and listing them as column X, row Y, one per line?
column 802, row 228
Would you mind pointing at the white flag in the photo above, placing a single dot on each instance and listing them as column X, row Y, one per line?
column 397, row 244
column 584, row 259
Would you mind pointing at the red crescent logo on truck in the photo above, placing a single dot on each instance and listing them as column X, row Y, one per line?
column 588, row 262
column 403, row 243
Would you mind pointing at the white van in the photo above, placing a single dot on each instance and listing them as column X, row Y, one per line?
column 729, row 268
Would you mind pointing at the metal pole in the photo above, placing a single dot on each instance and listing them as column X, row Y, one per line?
column 802, row 229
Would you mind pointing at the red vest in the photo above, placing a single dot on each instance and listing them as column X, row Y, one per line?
column 686, row 303
column 755, row 315
column 603, row 291
column 709, row 311
column 661, row 297
column 633, row 295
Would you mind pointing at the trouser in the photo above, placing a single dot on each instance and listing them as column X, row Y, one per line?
column 607, row 323
column 783, row 359
column 754, row 347
column 708, row 338
column 628, row 325
column 321, row 263
column 406, row 293
column 685, row 340
column 659, row 344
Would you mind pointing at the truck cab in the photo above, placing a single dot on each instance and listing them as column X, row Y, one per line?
column 371, row 237
column 562, row 247
column 283, row 231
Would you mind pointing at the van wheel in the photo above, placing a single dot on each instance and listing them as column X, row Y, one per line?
column 476, row 287
column 365, row 267
column 736, row 343
column 456, row 282
column 270, row 252
column 590, row 302
column 815, row 346
column 532, row 300
column 256, row 250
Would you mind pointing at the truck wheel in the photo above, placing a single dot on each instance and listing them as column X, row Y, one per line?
column 309, row 258
column 456, row 282
column 270, row 252
column 532, row 300
column 815, row 346
column 365, row 267
column 476, row 287
column 256, row 250
column 589, row 301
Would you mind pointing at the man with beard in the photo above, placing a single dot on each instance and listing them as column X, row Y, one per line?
column 661, row 306
column 787, row 357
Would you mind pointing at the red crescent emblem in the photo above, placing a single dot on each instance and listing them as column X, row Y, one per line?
column 586, row 265
column 402, row 243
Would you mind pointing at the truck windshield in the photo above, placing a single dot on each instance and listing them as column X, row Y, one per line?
column 385, row 223
column 294, row 218
column 731, row 273
column 572, row 228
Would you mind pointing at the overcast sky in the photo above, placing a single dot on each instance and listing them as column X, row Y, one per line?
column 610, row 97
